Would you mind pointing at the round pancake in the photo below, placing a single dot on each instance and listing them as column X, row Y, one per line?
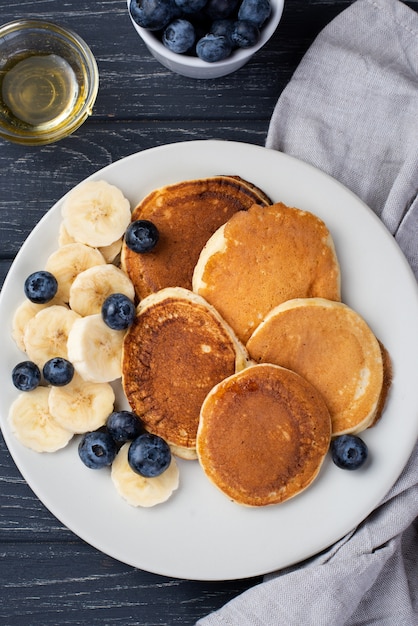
column 263, row 435
column 186, row 215
column 177, row 349
column 263, row 257
column 331, row 346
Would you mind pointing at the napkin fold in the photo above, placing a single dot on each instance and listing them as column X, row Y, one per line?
column 351, row 109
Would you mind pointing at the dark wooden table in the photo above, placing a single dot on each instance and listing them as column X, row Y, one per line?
column 47, row 574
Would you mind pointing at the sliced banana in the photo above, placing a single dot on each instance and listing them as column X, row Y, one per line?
column 91, row 288
column 69, row 261
column 46, row 334
column 24, row 312
column 109, row 252
column 81, row 406
column 112, row 251
column 138, row 490
column 33, row 425
column 96, row 213
column 63, row 237
column 95, row 350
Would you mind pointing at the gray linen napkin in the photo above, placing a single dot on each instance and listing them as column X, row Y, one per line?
column 351, row 109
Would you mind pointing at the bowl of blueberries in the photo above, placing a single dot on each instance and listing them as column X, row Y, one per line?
column 204, row 38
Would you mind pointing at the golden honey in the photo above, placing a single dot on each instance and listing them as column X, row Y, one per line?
column 40, row 91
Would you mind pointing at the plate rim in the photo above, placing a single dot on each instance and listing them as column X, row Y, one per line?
column 188, row 146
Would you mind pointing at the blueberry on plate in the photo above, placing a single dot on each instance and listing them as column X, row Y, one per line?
column 58, row 371
column 97, row 449
column 40, row 287
column 118, row 311
column 141, row 236
column 149, row 455
column 26, row 376
column 256, row 11
column 244, row 34
column 212, row 48
column 179, row 36
column 349, row 452
column 153, row 14
column 124, row 426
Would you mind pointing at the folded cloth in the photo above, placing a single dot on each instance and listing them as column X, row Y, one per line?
column 351, row 109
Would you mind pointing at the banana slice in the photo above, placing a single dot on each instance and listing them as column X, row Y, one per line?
column 81, row 406
column 63, row 237
column 69, row 261
column 24, row 312
column 109, row 252
column 96, row 213
column 138, row 490
column 91, row 288
column 46, row 333
column 33, row 425
column 95, row 350
column 112, row 251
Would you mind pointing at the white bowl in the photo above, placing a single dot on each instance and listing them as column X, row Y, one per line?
column 193, row 67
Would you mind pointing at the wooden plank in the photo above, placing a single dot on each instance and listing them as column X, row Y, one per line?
column 53, row 583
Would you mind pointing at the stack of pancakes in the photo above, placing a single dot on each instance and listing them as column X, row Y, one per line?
column 241, row 353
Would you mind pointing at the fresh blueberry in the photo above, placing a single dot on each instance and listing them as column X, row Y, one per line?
column 153, row 14
column 256, row 11
column 149, row 455
column 220, row 9
column 141, row 236
column 40, row 287
column 244, row 34
column 179, row 36
column 118, row 311
column 212, row 48
column 124, row 426
column 190, row 6
column 349, row 452
column 97, row 449
column 222, row 28
column 58, row 371
column 26, row 376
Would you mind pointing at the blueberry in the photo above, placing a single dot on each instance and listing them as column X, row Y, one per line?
column 220, row 9
column 124, row 426
column 256, row 11
column 118, row 311
column 26, row 376
column 348, row 452
column 141, row 236
column 223, row 28
column 212, row 48
column 40, row 287
column 58, row 371
column 245, row 34
column 153, row 14
column 97, row 449
column 149, row 455
column 179, row 36
column 190, row 6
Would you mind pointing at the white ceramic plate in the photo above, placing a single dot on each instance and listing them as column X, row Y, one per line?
column 199, row 534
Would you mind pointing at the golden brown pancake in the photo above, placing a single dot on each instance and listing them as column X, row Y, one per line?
column 177, row 349
column 186, row 214
column 387, row 383
column 331, row 346
column 263, row 257
column 263, row 435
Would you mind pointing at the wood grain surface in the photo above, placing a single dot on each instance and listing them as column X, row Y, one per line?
column 48, row 576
